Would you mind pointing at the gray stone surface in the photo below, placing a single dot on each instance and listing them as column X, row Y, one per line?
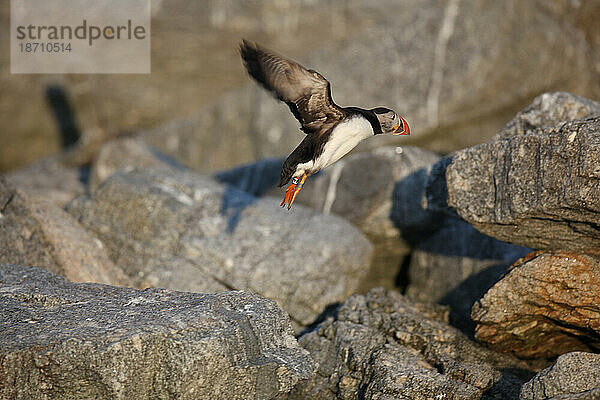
column 383, row 346
column 540, row 190
column 126, row 152
column 51, row 179
column 545, row 306
column 574, row 376
column 37, row 232
column 548, row 110
column 61, row 340
column 456, row 266
column 187, row 232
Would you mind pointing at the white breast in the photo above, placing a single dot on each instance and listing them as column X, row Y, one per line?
column 344, row 138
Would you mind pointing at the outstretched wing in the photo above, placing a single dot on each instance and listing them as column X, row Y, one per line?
column 306, row 92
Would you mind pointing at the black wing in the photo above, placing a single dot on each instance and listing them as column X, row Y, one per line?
column 306, row 92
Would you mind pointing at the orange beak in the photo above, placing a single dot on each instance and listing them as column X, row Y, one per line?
column 405, row 128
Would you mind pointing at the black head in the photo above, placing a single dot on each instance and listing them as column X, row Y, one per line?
column 391, row 122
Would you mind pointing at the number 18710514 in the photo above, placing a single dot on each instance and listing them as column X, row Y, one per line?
column 41, row 47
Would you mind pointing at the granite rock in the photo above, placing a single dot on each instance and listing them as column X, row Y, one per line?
column 381, row 345
column 545, row 306
column 51, row 179
column 61, row 340
column 184, row 231
column 37, row 232
column 548, row 110
column 128, row 153
column 574, row 376
column 540, row 189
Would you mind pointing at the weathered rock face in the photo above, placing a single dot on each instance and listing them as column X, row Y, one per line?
column 548, row 110
column 127, row 152
column 51, row 179
column 456, row 266
column 540, row 190
column 383, row 346
column 183, row 231
column 62, row 340
column 546, row 306
column 36, row 232
column 574, row 376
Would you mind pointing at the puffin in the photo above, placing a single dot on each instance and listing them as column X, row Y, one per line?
column 331, row 131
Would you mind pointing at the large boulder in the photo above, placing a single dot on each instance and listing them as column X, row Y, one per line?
column 540, row 189
column 574, row 376
column 545, row 306
column 37, row 232
column 187, row 232
column 62, row 340
column 382, row 345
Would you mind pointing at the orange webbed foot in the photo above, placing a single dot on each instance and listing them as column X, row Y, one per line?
column 288, row 194
column 292, row 191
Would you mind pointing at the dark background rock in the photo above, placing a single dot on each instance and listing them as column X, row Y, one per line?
column 382, row 345
column 574, row 376
column 184, row 231
column 62, row 340
column 457, row 70
column 462, row 86
column 545, row 306
column 36, row 232
column 540, row 190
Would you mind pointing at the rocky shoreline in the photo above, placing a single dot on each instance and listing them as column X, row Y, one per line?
column 204, row 288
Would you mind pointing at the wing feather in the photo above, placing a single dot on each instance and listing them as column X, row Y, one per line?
column 306, row 92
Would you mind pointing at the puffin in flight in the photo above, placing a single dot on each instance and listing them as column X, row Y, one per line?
column 331, row 131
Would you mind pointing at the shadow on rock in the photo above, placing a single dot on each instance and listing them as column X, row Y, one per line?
column 63, row 113
column 233, row 205
column 256, row 178
column 462, row 298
